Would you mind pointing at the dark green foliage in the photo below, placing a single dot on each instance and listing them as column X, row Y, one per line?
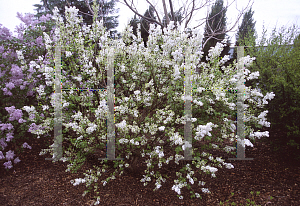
column 145, row 24
column 278, row 65
column 134, row 23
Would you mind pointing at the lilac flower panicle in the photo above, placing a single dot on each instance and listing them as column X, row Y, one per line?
column 8, row 126
column 27, row 19
column 4, row 55
column 10, row 155
column 33, row 127
column 44, row 18
column 10, row 109
column 30, row 93
column 9, row 136
column 25, row 145
column 8, row 165
column 39, row 40
column 15, row 114
column 10, row 85
column 16, row 70
column 5, row 34
column 3, row 143
column 21, row 121
column 17, row 160
column 32, row 116
column 1, row 155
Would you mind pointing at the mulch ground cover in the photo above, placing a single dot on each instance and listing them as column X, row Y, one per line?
column 36, row 181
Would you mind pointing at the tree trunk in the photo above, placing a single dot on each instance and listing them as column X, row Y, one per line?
column 166, row 12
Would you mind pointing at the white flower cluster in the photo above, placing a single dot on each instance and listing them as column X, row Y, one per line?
column 205, row 190
column 79, row 78
column 48, row 73
column 214, row 146
column 198, row 102
column 248, row 60
column 102, row 110
column 176, row 138
column 92, row 127
column 218, row 92
column 149, row 84
column 263, row 119
column 158, row 182
column 133, row 142
column 176, row 72
column 244, row 142
column 20, row 55
column 40, row 90
column 74, row 126
column 29, row 110
column 177, row 158
column 211, row 169
column 68, row 53
column 253, row 75
column 178, row 187
column 224, row 59
column 186, row 145
column 45, row 107
column 229, row 148
column 77, row 116
column 259, row 134
column 178, row 56
column 77, row 181
column 122, row 125
column 203, row 130
column 215, row 51
column 146, row 178
column 123, row 140
column 160, row 153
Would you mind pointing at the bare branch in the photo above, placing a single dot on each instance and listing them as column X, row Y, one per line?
column 154, row 10
column 88, row 5
column 149, row 19
column 172, row 12
column 189, row 13
column 78, row 9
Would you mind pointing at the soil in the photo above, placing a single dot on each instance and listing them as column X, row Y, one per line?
column 36, row 181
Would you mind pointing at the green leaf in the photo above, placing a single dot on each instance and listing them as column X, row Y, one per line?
column 178, row 149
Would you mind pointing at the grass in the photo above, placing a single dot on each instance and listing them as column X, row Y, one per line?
column 249, row 201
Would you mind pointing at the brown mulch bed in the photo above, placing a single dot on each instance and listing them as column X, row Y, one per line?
column 35, row 181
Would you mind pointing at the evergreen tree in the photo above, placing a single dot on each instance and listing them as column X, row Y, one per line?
column 215, row 24
column 145, row 24
column 245, row 33
column 134, row 23
column 110, row 22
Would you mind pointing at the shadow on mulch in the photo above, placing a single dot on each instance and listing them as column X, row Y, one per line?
column 35, row 181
